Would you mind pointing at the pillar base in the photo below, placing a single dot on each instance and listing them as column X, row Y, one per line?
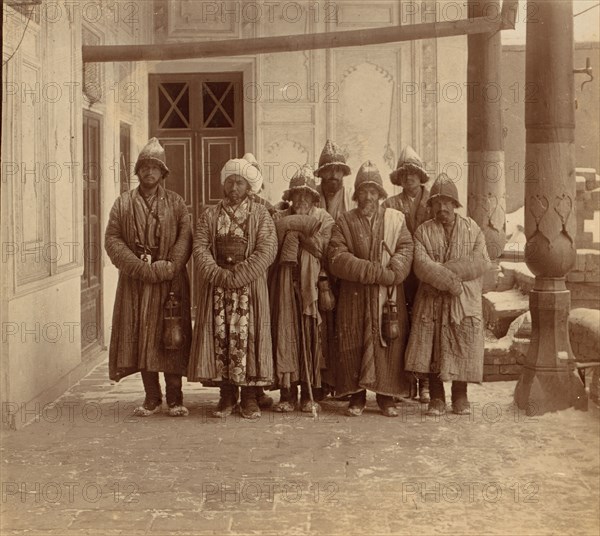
column 543, row 391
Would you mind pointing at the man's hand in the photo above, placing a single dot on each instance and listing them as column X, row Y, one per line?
column 455, row 286
column 223, row 278
column 164, row 270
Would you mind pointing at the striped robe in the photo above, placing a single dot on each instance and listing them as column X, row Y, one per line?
column 354, row 252
column 447, row 335
column 260, row 254
column 137, row 325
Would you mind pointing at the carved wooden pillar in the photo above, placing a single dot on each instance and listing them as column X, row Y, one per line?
column 548, row 380
column 485, row 145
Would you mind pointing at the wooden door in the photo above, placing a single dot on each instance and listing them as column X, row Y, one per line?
column 199, row 120
column 91, row 280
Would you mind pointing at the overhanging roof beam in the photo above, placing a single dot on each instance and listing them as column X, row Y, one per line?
column 292, row 43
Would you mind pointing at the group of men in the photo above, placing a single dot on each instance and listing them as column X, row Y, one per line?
column 335, row 291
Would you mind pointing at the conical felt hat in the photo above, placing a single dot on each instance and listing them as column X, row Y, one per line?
column 332, row 155
column 409, row 162
column 152, row 152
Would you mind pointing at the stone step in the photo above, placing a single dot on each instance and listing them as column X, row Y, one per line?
column 501, row 308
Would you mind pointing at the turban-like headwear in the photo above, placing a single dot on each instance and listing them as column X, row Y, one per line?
column 246, row 170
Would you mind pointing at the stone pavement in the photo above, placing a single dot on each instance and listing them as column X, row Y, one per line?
column 86, row 466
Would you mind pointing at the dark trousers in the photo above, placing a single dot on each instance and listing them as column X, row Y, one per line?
column 437, row 392
column 153, row 392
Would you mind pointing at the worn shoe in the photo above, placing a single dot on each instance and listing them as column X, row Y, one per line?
column 284, row 406
column 178, row 411
column 355, row 411
column 306, row 406
column 436, row 407
column 224, row 408
column 263, row 400
column 249, row 409
column 147, row 408
column 461, row 406
column 358, row 401
column 386, row 405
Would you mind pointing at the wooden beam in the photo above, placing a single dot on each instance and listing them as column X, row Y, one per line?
column 289, row 43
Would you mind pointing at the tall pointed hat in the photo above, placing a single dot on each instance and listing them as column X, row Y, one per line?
column 368, row 174
column 152, row 152
column 332, row 155
column 303, row 179
column 444, row 187
column 409, row 162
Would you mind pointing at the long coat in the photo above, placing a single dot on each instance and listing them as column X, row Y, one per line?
column 138, row 314
column 259, row 255
column 447, row 333
column 295, row 314
column 355, row 252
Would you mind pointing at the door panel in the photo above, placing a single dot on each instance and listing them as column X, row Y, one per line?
column 198, row 118
column 91, row 280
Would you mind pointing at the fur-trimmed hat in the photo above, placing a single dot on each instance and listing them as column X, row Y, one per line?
column 409, row 162
column 246, row 170
column 153, row 152
column 368, row 174
column 332, row 155
column 303, row 179
column 443, row 187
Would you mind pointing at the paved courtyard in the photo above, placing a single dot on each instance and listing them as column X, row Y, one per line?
column 87, row 466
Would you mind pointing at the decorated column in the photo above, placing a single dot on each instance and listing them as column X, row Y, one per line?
column 485, row 146
column 548, row 380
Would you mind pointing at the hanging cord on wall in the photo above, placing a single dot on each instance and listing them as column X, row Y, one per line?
column 22, row 37
column 388, row 155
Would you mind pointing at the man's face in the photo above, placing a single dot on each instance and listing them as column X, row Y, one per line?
column 150, row 175
column 367, row 198
column 411, row 184
column 443, row 209
column 302, row 202
column 235, row 189
column 332, row 179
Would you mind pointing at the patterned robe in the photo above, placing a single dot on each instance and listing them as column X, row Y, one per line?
column 294, row 309
column 447, row 335
column 137, row 324
column 355, row 254
column 213, row 362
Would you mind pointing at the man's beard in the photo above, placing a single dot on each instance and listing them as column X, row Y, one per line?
column 302, row 209
column 443, row 217
column 331, row 186
column 368, row 208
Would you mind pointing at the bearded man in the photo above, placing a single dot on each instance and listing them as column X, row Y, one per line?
column 371, row 253
column 446, row 339
column 304, row 231
column 148, row 238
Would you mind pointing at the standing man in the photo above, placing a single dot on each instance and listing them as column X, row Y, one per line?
column 148, row 238
column 304, row 231
column 336, row 198
column 447, row 340
column 370, row 252
column 234, row 245
column 412, row 202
